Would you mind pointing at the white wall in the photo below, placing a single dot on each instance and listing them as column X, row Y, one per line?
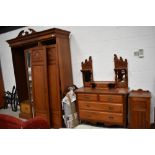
column 101, row 43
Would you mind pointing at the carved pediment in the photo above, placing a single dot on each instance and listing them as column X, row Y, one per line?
column 25, row 33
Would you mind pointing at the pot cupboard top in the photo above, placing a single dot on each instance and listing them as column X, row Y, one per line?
column 140, row 93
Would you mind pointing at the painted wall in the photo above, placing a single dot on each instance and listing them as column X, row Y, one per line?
column 101, row 43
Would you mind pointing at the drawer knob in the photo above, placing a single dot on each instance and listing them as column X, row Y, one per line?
column 110, row 99
column 111, row 117
column 86, row 97
column 110, row 108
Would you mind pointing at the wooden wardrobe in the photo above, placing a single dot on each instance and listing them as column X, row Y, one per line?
column 47, row 54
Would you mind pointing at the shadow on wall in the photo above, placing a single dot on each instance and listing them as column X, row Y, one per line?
column 152, row 94
column 76, row 56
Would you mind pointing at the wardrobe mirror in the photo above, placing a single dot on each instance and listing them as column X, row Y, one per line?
column 29, row 73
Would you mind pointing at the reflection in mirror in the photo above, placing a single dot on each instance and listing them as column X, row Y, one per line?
column 29, row 75
column 121, row 75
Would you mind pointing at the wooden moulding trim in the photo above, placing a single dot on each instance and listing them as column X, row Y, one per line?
column 87, row 64
column 140, row 91
column 25, row 37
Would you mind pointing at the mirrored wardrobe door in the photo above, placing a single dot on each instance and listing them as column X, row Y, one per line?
column 26, row 106
column 29, row 74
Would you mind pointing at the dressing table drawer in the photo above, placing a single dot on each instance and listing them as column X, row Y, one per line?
column 87, row 97
column 107, row 106
column 118, row 108
column 111, row 98
column 101, row 116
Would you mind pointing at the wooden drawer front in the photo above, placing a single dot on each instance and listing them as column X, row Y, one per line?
column 87, row 97
column 101, row 106
column 138, row 99
column 114, row 118
column 111, row 98
column 101, row 116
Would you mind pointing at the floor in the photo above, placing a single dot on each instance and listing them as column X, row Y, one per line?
column 86, row 126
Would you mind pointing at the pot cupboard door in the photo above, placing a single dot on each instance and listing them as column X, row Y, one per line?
column 39, row 82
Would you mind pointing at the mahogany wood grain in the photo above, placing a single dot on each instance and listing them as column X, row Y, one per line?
column 108, row 106
column 65, row 65
column 54, row 87
column 101, row 106
column 39, row 82
column 111, row 98
column 88, row 97
column 100, row 116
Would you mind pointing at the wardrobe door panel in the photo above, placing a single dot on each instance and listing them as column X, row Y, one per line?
column 39, row 82
column 54, row 87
